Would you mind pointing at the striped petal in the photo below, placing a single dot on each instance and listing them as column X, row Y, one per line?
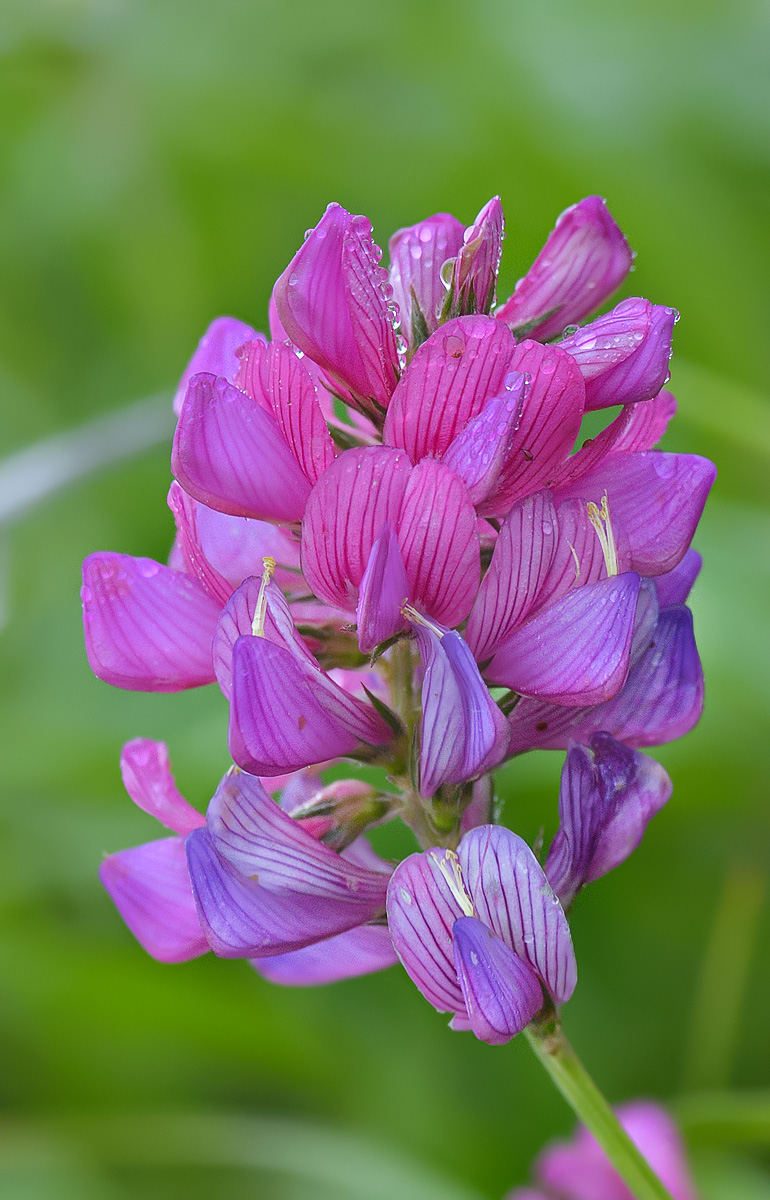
column 637, row 427
column 624, row 355
column 480, row 451
column 417, row 255
column 146, row 772
column 475, row 274
column 422, row 912
column 147, row 628
column 501, row 992
column 192, row 557
column 384, row 588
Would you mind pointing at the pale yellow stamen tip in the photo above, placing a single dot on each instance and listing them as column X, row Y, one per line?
column 449, row 865
column 258, row 623
column 600, row 519
column 417, row 618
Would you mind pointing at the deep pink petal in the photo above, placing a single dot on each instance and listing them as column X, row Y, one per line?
column 583, row 261
column 359, row 951
column 230, row 454
column 421, row 914
column 439, row 541
column 275, row 377
column 624, row 355
column 147, row 778
column 475, row 274
column 637, row 427
column 332, row 302
column 150, row 887
column 479, row 452
column 449, row 380
column 216, row 353
column 384, row 588
column 550, row 422
column 360, row 492
column 192, row 557
column 417, row 255
column 285, row 714
column 577, row 650
column 655, row 498
column 501, row 992
column 662, row 698
column 147, row 628
column 511, row 894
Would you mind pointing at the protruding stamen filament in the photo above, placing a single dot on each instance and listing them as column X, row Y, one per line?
column 417, row 618
column 600, row 519
column 258, row 623
column 449, row 865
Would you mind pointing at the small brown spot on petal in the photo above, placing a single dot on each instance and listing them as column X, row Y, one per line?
column 541, row 726
column 301, row 722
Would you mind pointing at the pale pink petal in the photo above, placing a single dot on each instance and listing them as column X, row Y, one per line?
column 146, row 772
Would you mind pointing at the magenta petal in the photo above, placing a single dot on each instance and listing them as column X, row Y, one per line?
column 475, row 273
column 637, row 427
column 360, row 492
column 421, row 915
column 332, row 304
column 624, row 355
column 439, row 541
column 192, row 557
column 448, row 382
column 675, row 586
column 285, row 715
column 147, row 628
column 512, row 895
column 417, row 255
column 217, row 353
column 583, row 261
column 463, row 731
column 550, row 422
column 359, row 951
column 655, row 498
column 147, row 778
column 501, row 993
column 236, row 620
column 479, row 451
column 577, row 650
column 230, row 454
column 235, row 547
column 662, row 698
column 384, row 588
column 275, row 377
column 259, row 839
column 243, row 920
column 150, row 887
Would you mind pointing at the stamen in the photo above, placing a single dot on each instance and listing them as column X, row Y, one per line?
column 449, row 865
column 600, row 519
column 258, row 623
column 577, row 561
column 417, row 618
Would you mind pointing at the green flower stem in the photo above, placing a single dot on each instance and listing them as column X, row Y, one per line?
column 548, row 1040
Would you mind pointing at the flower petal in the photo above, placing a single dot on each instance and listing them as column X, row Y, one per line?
column 384, row 588
column 421, row 914
column 236, row 621
column 675, row 586
column 637, row 427
column 332, row 302
column 359, row 951
column 275, row 377
column 192, row 557
column 285, row 714
column 417, row 255
column 662, row 698
column 575, row 651
column 147, row 628
column 501, row 993
column 439, row 541
column 259, row 839
column 583, row 261
column 512, row 895
column 624, row 355
column 150, row 887
column 463, row 731
column 360, row 492
column 230, row 454
column 235, row 546
column 146, row 772
column 480, row 450
column 475, row 274
column 550, row 422
column 448, row 382
column 656, row 498
column 217, row 353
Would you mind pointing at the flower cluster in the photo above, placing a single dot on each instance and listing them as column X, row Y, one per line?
column 389, row 550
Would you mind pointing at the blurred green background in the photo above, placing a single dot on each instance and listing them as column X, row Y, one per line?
column 160, row 162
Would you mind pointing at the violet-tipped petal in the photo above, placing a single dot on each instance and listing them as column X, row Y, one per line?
column 384, row 588
column 147, row 628
column 624, row 355
column 637, row 427
column 230, row 453
column 501, row 992
column 583, row 261
column 675, row 586
column 480, row 450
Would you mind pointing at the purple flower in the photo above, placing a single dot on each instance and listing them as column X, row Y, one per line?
column 579, row 1169
column 481, row 933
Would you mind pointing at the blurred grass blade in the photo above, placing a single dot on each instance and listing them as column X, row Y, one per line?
column 726, row 1118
